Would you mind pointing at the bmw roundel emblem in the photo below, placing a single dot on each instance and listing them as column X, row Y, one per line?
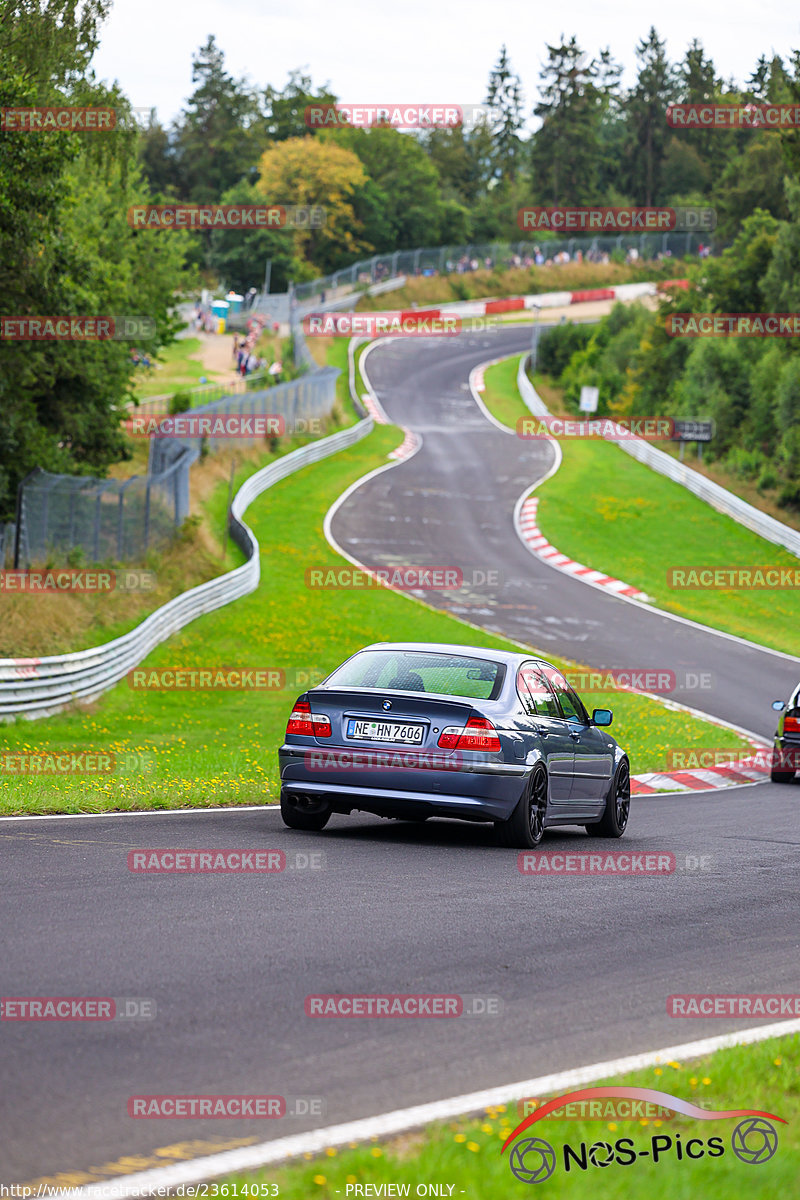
column 387, row 704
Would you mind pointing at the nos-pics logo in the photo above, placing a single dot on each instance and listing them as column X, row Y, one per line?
column 754, row 1139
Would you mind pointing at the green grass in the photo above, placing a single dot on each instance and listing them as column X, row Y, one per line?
column 336, row 356
column 175, row 371
column 500, row 393
column 615, row 515
column 210, row 748
column 466, row 1153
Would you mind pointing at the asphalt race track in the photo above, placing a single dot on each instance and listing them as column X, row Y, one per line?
column 452, row 504
column 582, row 966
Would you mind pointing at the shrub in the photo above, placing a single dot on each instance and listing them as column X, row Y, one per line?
column 181, row 402
column 789, row 497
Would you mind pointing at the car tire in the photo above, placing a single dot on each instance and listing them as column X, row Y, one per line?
column 781, row 776
column 304, row 812
column 524, row 828
column 614, row 820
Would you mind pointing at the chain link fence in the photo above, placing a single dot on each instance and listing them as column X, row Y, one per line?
column 81, row 519
column 445, row 260
column 298, row 403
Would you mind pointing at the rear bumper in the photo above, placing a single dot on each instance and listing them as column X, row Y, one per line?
column 786, row 754
column 480, row 791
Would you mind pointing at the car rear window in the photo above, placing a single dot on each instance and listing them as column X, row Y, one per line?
column 421, row 671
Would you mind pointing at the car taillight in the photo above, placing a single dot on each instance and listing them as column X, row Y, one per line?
column 791, row 725
column 477, row 734
column 304, row 723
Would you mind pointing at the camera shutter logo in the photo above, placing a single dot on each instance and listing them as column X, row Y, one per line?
column 754, row 1141
column 532, row 1161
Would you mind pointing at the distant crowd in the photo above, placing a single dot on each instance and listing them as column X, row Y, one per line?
column 535, row 258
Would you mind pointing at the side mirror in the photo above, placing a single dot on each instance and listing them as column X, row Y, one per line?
column 602, row 716
column 779, row 705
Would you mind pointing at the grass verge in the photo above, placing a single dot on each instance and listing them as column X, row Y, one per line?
column 604, row 509
column 210, row 748
column 42, row 624
column 464, row 1155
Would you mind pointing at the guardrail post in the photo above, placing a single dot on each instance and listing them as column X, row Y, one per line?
column 147, row 513
column 19, row 515
column 120, row 516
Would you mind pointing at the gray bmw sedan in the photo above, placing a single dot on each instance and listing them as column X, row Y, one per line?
column 415, row 730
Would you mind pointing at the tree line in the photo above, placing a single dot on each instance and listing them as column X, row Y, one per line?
column 748, row 386
column 596, row 142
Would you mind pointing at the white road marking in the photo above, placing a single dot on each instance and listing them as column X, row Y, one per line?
column 146, row 812
column 386, row 1125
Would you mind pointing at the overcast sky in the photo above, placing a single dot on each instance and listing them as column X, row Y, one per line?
column 418, row 51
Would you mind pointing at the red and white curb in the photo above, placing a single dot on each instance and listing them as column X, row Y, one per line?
column 374, row 409
column 704, row 779
column 410, row 444
column 538, row 544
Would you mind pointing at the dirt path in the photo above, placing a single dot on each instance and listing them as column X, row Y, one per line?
column 216, row 355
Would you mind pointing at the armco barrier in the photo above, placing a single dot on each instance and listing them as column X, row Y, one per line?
column 528, row 392
column 718, row 497
column 38, row 688
column 501, row 306
column 425, row 314
column 592, row 294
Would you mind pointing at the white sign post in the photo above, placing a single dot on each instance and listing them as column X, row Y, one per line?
column 589, row 399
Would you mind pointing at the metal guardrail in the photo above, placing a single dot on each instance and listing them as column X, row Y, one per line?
column 40, row 687
column 718, row 497
column 528, row 392
column 352, row 374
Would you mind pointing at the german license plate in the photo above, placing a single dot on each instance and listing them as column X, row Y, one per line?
column 386, row 731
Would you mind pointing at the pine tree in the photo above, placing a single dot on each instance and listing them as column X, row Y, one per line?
column 566, row 150
column 505, row 97
column 648, row 132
